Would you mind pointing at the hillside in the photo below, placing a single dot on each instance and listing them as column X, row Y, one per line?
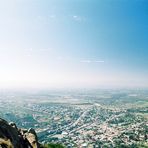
column 12, row 137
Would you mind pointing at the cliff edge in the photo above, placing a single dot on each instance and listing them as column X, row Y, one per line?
column 12, row 137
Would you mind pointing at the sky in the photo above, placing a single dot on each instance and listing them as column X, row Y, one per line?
column 73, row 43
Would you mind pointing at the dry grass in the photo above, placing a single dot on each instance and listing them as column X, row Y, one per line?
column 6, row 142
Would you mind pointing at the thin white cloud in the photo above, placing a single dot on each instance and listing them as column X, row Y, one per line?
column 28, row 55
column 52, row 16
column 78, row 18
column 92, row 61
column 101, row 61
column 85, row 61
column 46, row 19
column 63, row 58
column 45, row 49
column 59, row 58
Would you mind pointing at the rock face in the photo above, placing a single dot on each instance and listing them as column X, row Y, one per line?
column 12, row 137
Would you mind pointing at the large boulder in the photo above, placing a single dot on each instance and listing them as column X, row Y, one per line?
column 32, row 138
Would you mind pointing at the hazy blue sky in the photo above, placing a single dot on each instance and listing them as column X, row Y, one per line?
column 73, row 43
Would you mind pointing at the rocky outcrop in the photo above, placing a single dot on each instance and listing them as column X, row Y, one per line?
column 12, row 137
